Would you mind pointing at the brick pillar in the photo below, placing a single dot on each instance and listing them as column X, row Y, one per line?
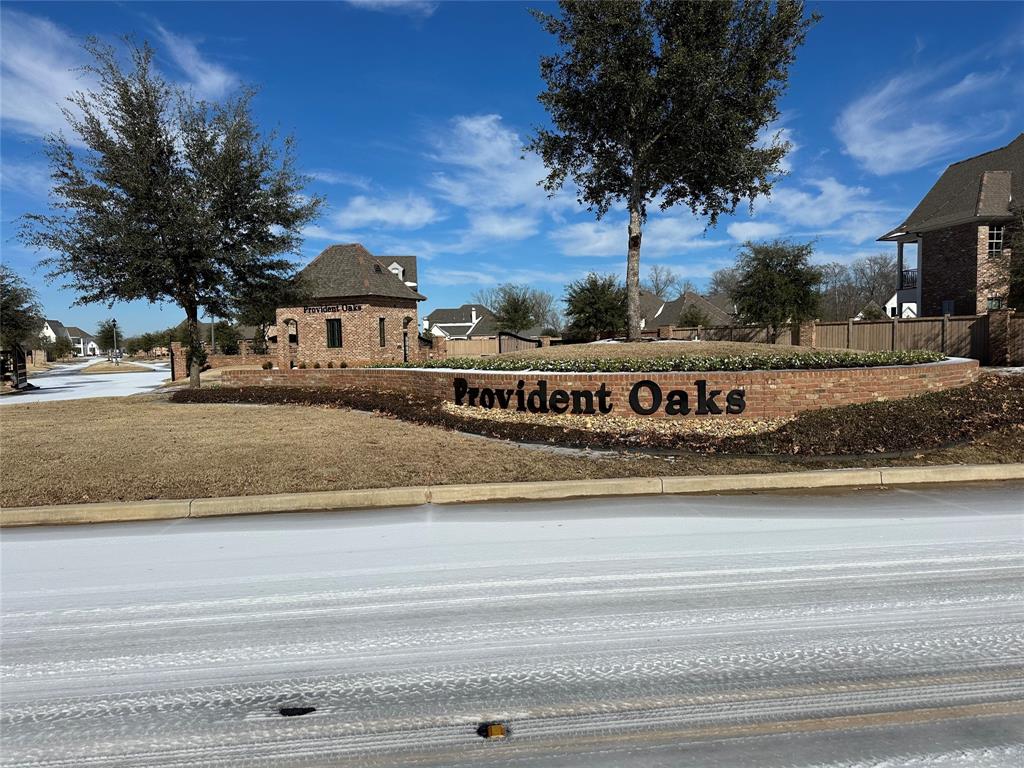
column 998, row 337
column 179, row 368
column 440, row 348
column 666, row 331
column 805, row 334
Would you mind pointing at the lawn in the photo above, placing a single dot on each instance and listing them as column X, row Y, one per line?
column 679, row 356
column 146, row 448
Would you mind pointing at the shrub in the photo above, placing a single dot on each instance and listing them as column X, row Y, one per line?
column 316, row 364
column 302, row 364
column 330, row 363
column 343, row 364
column 760, row 361
column 267, row 365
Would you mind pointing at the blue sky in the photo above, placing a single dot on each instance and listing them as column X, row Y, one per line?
column 411, row 116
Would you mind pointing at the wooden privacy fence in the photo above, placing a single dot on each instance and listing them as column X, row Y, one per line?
column 752, row 333
column 957, row 336
column 471, row 347
column 513, row 342
column 995, row 338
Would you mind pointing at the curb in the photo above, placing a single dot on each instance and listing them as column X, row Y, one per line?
column 380, row 498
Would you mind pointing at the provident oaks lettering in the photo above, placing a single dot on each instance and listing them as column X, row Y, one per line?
column 646, row 397
column 332, row 308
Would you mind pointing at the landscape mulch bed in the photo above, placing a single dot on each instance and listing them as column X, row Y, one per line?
column 925, row 422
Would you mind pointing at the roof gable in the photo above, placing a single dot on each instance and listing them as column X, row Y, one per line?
column 351, row 270
column 979, row 187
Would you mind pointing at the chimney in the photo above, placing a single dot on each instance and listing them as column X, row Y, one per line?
column 426, row 324
column 473, row 311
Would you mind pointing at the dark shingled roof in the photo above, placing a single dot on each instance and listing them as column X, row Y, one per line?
column 657, row 312
column 77, row 332
column 978, row 188
column 673, row 309
column 351, row 270
column 58, row 328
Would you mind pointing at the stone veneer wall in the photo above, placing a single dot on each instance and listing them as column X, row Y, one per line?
column 769, row 394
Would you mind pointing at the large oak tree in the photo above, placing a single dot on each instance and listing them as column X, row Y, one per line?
column 655, row 100
column 171, row 199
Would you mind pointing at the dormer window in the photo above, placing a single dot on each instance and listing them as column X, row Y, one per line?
column 397, row 270
column 377, row 269
column 995, row 240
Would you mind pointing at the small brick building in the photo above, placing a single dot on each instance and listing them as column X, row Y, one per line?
column 964, row 230
column 362, row 308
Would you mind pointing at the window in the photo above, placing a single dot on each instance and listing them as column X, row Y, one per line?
column 334, row 334
column 947, row 307
column 995, row 302
column 995, row 240
column 293, row 331
column 380, row 330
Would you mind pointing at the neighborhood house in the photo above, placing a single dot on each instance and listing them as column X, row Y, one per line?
column 962, row 231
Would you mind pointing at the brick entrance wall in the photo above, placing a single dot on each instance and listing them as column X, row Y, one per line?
column 360, row 332
column 768, row 394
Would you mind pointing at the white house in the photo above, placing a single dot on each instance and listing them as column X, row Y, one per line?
column 909, row 307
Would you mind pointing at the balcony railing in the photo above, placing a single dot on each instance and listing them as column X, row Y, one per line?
column 908, row 279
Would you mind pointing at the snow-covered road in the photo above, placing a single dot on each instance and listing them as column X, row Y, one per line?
column 848, row 629
column 67, row 382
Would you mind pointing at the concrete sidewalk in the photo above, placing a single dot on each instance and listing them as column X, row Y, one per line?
column 371, row 498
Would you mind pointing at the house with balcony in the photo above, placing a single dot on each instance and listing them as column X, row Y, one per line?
column 962, row 231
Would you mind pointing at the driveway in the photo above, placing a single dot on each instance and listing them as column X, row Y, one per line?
column 69, row 383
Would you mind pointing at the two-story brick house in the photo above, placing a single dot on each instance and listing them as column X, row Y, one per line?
column 963, row 230
column 361, row 308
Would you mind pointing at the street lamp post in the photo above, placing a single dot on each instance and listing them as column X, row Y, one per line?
column 113, row 323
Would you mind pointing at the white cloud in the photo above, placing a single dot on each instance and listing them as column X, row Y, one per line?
column 38, row 62
column 912, row 120
column 409, row 212
column 494, row 276
column 209, row 80
column 485, row 167
column 416, row 8
column 499, row 226
column 340, row 178
column 752, row 230
column 663, row 235
column 29, row 179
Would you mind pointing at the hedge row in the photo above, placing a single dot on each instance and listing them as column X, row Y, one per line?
column 772, row 361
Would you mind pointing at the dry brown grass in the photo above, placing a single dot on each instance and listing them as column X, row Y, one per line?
column 111, row 368
column 145, row 448
column 135, row 448
column 648, row 349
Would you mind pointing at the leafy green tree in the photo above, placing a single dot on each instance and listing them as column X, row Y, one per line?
column 777, row 284
column 257, row 303
column 514, row 308
column 172, row 199
column 595, row 307
column 109, row 336
column 663, row 100
column 226, row 338
column 692, row 316
column 20, row 315
column 63, row 348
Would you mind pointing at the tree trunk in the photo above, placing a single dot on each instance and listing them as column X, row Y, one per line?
column 633, row 275
column 195, row 344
